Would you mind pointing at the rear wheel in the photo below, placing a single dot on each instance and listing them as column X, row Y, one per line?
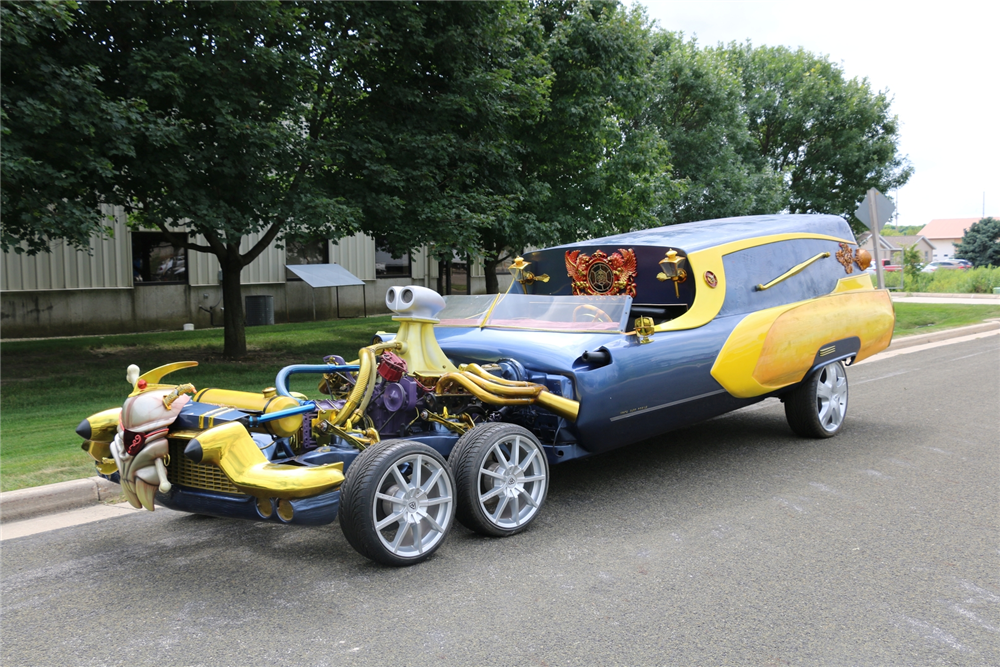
column 501, row 478
column 818, row 406
column 397, row 502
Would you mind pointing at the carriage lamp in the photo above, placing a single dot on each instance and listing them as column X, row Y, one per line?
column 644, row 329
column 670, row 267
column 518, row 269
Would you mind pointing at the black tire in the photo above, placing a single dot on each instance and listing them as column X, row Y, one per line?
column 372, row 494
column 817, row 408
column 484, row 479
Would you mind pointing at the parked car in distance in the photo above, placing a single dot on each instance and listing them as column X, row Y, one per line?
column 459, row 415
column 942, row 265
column 964, row 263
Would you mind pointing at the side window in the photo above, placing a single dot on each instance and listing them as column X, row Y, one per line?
column 311, row 252
column 156, row 261
column 745, row 269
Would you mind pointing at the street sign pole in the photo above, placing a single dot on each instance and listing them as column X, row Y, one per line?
column 873, row 214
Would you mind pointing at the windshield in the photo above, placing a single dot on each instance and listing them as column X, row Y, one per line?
column 586, row 314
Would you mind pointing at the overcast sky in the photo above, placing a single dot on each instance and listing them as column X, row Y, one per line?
column 940, row 61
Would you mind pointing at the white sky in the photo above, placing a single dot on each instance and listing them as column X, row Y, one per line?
column 941, row 64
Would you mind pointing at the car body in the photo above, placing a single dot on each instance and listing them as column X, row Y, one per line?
column 942, row 265
column 461, row 413
column 963, row 263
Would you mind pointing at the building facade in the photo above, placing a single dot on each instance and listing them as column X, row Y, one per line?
column 137, row 281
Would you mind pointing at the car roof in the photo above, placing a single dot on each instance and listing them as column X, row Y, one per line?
column 693, row 236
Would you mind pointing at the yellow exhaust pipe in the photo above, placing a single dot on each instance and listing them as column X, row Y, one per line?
column 231, row 448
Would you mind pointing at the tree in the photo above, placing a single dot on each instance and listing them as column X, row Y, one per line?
column 285, row 120
column 981, row 243
column 585, row 166
column 831, row 138
column 695, row 107
column 61, row 133
column 913, row 261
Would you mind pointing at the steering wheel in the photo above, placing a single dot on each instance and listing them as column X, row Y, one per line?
column 594, row 313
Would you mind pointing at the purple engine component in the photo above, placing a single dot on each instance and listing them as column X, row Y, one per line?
column 391, row 409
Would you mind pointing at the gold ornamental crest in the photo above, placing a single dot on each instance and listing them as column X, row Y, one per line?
column 599, row 274
column 848, row 258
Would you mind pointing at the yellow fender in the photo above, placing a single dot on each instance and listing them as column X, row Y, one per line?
column 776, row 347
column 231, row 448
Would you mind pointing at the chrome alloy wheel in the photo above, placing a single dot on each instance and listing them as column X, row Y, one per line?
column 831, row 397
column 413, row 505
column 512, row 482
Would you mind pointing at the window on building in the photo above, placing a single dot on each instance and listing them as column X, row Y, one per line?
column 387, row 266
column 309, row 252
column 156, row 261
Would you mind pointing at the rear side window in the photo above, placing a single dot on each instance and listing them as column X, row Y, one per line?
column 759, row 265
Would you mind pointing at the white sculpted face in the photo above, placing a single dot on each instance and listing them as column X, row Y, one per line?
column 140, row 446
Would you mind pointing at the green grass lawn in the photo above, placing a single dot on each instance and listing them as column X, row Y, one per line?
column 48, row 386
column 917, row 318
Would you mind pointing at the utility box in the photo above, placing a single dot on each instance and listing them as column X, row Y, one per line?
column 259, row 310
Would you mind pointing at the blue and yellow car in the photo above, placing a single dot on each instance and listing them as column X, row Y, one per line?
column 460, row 414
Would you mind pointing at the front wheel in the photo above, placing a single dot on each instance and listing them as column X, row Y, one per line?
column 501, row 478
column 397, row 502
column 817, row 407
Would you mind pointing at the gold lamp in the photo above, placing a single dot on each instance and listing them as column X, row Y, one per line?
column 518, row 269
column 670, row 269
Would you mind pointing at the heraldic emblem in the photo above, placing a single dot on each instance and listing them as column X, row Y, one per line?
column 600, row 274
column 861, row 257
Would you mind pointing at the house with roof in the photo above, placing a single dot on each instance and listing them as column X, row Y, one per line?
column 892, row 247
column 945, row 233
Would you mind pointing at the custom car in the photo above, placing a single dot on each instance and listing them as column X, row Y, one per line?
column 461, row 413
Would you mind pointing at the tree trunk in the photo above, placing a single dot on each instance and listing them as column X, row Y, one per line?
column 232, row 301
column 490, row 269
column 440, row 277
column 447, row 277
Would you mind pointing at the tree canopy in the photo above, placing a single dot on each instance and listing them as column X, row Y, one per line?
column 981, row 243
column 480, row 128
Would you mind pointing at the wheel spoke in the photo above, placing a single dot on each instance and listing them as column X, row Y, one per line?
column 385, row 496
column 399, row 476
column 430, row 502
column 486, row 496
column 417, row 471
column 824, row 411
column 490, row 473
column 500, row 508
column 515, row 450
column 526, row 462
column 434, row 524
column 501, row 459
column 403, row 530
column 418, row 537
column 388, row 520
column 429, row 484
column 534, row 478
column 527, row 497
column 515, row 508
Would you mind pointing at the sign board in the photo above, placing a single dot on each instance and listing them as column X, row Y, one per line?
column 883, row 209
column 324, row 275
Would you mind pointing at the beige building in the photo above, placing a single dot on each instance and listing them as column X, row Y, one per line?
column 944, row 233
column 892, row 247
column 137, row 281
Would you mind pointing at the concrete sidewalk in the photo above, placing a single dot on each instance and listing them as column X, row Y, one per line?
column 42, row 500
column 930, row 297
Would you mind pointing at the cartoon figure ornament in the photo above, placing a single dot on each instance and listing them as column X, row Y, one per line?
column 140, row 448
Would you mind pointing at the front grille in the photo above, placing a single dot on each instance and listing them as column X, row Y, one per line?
column 185, row 472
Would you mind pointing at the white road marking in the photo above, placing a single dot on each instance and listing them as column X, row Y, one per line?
column 883, row 377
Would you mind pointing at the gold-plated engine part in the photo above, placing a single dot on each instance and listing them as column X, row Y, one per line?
column 488, row 390
column 231, row 448
column 245, row 400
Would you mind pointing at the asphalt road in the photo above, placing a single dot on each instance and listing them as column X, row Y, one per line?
column 732, row 542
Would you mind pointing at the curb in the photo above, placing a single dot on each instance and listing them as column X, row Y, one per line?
column 935, row 336
column 943, row 295
column 52, row 498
